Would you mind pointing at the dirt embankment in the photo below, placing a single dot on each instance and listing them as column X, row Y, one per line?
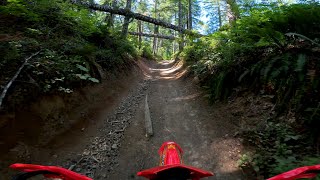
column 99, row 131
column 35, row 133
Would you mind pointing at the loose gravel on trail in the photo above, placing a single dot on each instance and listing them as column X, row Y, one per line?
column 103, row 151
column 179, row 113
column 113, row 145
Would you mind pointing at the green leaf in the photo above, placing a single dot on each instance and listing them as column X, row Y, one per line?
column 303, row 37
column 275, row 74
column 82, row 68
column 93, row 80
column 83, row 77
column 256, row 168
column 301, row 61
column 243, row 75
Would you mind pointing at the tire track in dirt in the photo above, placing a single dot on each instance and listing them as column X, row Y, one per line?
column 179, row 113
column 118, row 148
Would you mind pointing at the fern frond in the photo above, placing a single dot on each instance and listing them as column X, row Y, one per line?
column 303, row 37
column 301, row 61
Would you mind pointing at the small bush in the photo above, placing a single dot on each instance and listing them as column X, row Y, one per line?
column 275, row 51
column 146, row 52
column 69, row 36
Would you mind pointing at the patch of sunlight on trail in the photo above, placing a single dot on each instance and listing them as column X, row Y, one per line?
column 176, row 71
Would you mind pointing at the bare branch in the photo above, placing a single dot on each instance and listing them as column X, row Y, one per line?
column 4, row 92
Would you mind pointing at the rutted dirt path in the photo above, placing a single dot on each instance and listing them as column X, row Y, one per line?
column 179, row 113
column 113, row 144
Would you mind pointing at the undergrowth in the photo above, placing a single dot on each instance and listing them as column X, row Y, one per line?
column 76, row 47
column 270, row 50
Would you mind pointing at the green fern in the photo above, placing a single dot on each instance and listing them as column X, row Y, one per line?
column 303, row 37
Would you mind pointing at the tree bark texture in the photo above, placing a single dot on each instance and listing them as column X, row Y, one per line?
column 190, row 14
column 111, row 17
column 219, row 14
column 156, row 29
column 140, row 32
column 126, row 19
column 232, row 11
column 155, row 41
column 180, row 16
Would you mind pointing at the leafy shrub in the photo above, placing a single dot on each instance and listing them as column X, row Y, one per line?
column 278, row 149
column 229, row 57
column 270, row 50
column 73, row 40
column 146, row 52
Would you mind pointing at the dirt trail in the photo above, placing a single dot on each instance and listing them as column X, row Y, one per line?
column 83, row 114
column 114, row 146
column 179, row 113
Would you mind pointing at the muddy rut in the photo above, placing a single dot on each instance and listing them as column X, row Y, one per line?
column 115, row 145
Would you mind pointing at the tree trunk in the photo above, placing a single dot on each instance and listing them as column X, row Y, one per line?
column 159, row 44
column 180, row 25
column 219, row 14
column 140, row 32
column 156, row 29
column 153, row 35
column 190, row 15
column 173, row 48
column 91, row 2
column 232, row 11
column 155, row 44
column 125, row 12
column 180, row 13
column 110, row 19
column 174, row 34
column 126, row 20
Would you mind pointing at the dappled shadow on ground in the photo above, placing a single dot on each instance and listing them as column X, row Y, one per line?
column 168, row 70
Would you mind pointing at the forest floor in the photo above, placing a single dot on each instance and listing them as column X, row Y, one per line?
column 113, row 145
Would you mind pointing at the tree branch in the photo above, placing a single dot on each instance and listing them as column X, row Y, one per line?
column 5, row 89
column 126, row 12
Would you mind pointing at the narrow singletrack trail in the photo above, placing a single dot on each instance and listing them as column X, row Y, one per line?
column 113, row 145
column 179, row 113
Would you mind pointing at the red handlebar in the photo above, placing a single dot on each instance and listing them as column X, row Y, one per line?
column 61, row 172
column 299, row 173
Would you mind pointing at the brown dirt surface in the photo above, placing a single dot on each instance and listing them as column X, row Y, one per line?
column 54, row 129
column 179, row 113
column 107, row 137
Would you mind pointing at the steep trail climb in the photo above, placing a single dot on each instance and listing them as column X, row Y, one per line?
column 179, row 113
